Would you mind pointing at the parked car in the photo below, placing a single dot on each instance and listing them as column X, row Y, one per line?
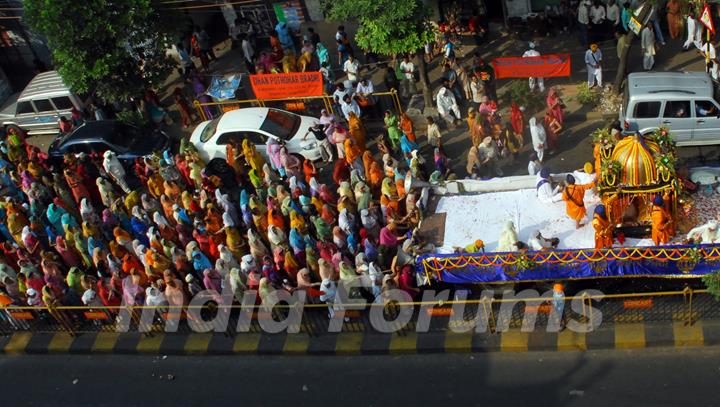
column 256, row 124
column 39, row 106
column 127, row 141
column 684, row 102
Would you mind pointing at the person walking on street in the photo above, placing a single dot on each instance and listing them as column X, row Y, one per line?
column 694, row 33
column 248, row 53
column 539, row 138
column 447, row 104
column 407, row 85
column 532, row 52
column 674, row 18
column 647, row 42
column 583, row 20
column 593, row 62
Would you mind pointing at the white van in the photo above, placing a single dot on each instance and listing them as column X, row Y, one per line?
column 684, row 102
column 39, row 106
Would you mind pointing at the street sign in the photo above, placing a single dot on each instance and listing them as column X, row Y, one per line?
column 640, row 17
column 706, row 19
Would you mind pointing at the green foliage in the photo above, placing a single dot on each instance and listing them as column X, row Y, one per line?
column 712, row 282
column 132, row 117
column 585, row 95
column 97, row 45
column 519, row 92
column 387, row 27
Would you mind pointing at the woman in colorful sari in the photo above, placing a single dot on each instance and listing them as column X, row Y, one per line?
column 394, row 133
column 357, row 130
column 406, row 125
column 252, row 157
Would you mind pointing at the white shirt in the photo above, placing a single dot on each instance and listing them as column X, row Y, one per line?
column 583, row 14
column 531, row 53
column 704, row 233
column 350, row 107
column 589, row 60
column 597, row 14
column 407, row 68
column 338, row 95
column 248, row 51
column 546, row 193
column 613, row 14
column 445, row 101
column 537, row 132
column 365, row 89
column 351, row 69
column 476, row 89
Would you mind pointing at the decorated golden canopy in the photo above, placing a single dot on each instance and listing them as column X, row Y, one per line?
column 634, row 170
column 637, row 162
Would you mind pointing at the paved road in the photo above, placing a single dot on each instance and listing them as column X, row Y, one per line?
column 617, row 378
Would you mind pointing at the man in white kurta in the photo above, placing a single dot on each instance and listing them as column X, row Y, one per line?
column 694, row 33
column 539, row 138
column 532, row 52
column 446, row 104
column 593, row 62
column 113, row 167
column 545, row 191
column 647, row 42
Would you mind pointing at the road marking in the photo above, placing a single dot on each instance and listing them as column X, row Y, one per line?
column 514, row 341
column 569, row 340
column 630, row 336
column 403, row 343
column 349, row 343
column 458, row 341
column 197, row 343
column 105, row 342
column 18, row 342
column 688, row 335
column 150, row 344
column 246, row 343
column 60, row 342
column 296, row 343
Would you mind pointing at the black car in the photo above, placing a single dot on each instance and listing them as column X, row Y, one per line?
column 126, row 141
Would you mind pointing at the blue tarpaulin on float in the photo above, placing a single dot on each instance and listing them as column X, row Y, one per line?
column 674, row 261
column 223, row 87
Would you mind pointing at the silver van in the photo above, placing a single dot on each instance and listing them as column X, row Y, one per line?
column 39, row 106
column 684, row 102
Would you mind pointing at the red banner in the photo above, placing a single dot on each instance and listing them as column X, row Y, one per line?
column 544, row 66
column 287, row 85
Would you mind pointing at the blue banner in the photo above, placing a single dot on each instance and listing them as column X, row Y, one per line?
column 675, row 261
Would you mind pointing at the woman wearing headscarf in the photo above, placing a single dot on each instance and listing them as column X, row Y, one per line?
column 257, row 248
column 252, row 156
column 235, row 242
column 276, row 237
column 517, row 121
column 391, row 124
column 341, row 172
column 322, row 228
column 406, row 125
column 357, row 130
column 265, row 292
column 54, row 215
column 291, row 164
column 76, row 185
column 227, row 256
column 389, row 198
column 67, row 254
column 407, row 147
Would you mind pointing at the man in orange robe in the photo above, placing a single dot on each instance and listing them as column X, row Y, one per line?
column 573, row 196
column 661, row 222
column 603, row 228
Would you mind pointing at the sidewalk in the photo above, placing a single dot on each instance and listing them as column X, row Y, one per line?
column 609, row 336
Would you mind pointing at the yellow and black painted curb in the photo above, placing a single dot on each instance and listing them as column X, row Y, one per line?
column 614, row 336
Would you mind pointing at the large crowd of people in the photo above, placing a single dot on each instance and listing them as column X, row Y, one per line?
column 93, row 231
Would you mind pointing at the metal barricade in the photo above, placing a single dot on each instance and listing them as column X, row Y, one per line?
column 482, row 313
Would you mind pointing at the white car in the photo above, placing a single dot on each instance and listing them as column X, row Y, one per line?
column 256, row 124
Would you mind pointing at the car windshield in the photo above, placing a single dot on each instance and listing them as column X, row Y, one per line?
column 209, row 130
column 123, row 136
column 281, row 124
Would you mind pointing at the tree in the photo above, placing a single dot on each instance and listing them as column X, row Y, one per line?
column 389, row 27
column 115, row 49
